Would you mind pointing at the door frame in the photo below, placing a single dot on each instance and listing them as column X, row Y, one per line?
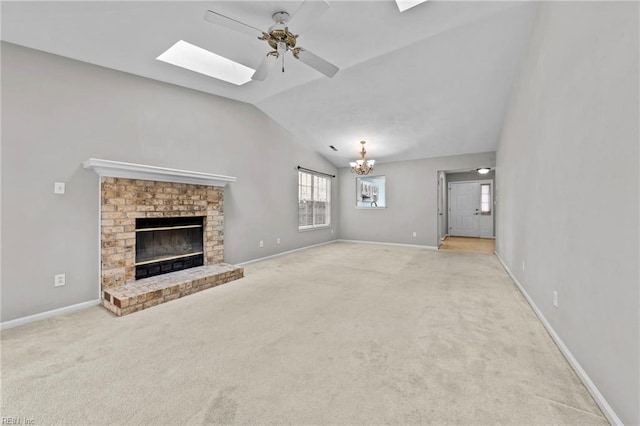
column 441, row 225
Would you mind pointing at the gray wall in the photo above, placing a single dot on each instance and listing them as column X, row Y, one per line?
column 567, row 170
column 57, row 112
column 412, row 200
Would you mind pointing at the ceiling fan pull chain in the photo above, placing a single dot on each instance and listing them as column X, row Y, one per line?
column 282, row 63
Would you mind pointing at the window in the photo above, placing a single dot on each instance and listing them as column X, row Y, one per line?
column 314, row 201
column 485, row 198
column 370, row 192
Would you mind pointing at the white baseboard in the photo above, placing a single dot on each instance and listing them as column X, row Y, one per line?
column 388, row 244
column 48, row 314
column 284, row 252
column 586, row 380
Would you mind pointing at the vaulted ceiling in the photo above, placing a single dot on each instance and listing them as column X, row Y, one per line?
column 431, row 81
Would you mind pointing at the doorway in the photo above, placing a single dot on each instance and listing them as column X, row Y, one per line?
column 442, row 207
column 481, row 194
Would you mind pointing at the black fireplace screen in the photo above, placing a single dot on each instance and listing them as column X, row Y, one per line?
column 168, row 244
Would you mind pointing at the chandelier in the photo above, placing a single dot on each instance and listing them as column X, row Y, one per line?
column 362, row 166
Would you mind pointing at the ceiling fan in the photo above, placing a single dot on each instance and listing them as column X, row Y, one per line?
column 280, row 38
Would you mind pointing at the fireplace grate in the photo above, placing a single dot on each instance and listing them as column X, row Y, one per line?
column 166, row 266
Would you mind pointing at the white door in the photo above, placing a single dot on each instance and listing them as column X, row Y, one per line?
column 464, row 205
column 471, row 209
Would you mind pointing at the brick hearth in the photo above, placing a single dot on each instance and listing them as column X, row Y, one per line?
column 145, row 293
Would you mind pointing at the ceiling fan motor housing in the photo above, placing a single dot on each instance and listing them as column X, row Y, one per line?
column 279, row 32
column 281, row 17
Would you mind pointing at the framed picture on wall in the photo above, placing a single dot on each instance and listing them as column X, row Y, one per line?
column 371, row 192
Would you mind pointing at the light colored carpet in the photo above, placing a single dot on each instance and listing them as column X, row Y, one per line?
column 338, row 334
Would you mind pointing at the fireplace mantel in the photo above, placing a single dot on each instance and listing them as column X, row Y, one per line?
column 108, row 168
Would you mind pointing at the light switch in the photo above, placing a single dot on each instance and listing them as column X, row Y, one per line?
column 58, row 188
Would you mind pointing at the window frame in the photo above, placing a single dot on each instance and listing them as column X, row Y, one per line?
column 315, row 177
column 489, row 201
column 382, row 179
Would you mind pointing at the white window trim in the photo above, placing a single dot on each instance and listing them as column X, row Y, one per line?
column 314, row 227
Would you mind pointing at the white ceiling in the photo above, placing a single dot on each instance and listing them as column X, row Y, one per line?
column 431, row 81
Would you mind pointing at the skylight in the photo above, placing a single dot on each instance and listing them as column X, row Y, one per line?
column 408, row 4
column 197, row 59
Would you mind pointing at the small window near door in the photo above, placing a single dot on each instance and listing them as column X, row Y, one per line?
column 485, row 198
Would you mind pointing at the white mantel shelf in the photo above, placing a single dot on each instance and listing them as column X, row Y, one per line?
column 108, row 168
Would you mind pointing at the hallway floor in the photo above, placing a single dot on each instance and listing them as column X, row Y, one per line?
column 476, row 245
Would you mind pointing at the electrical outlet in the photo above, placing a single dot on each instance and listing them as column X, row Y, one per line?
column 277, row 240
column 523, row 265
column 415, row 234
column 59, row 280
column 58, row 188
column 555, row 298
column 261, row 243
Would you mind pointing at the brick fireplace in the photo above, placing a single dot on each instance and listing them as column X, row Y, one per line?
column 125, row 200
column 144, row 193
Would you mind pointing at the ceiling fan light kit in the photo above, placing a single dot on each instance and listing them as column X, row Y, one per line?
column 280, row 38
column 362, row 166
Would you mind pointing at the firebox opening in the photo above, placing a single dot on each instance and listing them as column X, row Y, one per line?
column 166, row 245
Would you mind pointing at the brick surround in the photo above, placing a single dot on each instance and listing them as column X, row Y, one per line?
column 124, row 200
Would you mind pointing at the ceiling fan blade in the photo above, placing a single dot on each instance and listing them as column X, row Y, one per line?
column 308, row 11
column 317, row 63
column 232, row 24
column 265, row 67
